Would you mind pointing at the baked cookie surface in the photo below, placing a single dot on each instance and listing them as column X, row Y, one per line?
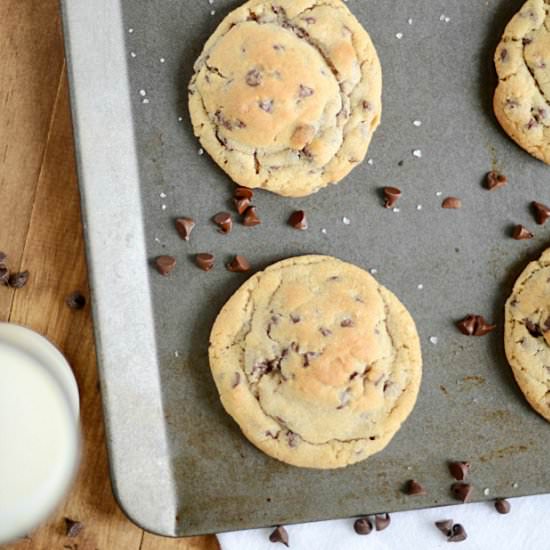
column 527, row 333
column 317, row 363
column 287, row 94
column 522, row 61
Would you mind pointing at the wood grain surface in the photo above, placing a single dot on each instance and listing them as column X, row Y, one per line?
column 40, row 230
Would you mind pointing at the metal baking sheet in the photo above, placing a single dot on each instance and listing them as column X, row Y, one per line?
column 179, row 464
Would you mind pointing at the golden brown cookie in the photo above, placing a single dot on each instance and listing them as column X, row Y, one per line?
column 317, row 363
column 287, row 94
column 527, row 333
column 522, row 61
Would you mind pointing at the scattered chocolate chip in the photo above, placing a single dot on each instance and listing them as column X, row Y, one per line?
column 224, row 222
column 382, row 521
column 293, row 439
column 3, row 258
column 475, row 325
column 4, row 275
column 254, row 78
column 483, row 327
column 298, row 220
column 461, row 491
column 184, row 226
column 459, row 470
column 458, row 534
column 325, row 331
column 391, row 196
column 238, row 265
column 503, row 54
column 468, row 325
column 72, row 527
column 362, row 526
column 532, row 328
column 243, row 193
column 75, row 300
column 502, row 506
column 205, row 261
column 445, row 526
column 542, row 212
column 305, row 91
column 279, row 535
column 346, row 323
column 521, row 233
column 241, row 205
column 236, row 380
column 451, row 202
column 495, row 180
column 250, row 217
column 165, row 264
column 18, row 280
column 413, row 488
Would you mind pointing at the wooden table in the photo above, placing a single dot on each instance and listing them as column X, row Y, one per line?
column 40, row 230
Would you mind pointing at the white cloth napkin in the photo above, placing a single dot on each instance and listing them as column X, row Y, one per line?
column 526, row 527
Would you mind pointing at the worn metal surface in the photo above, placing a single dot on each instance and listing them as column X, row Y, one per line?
column 439, row 72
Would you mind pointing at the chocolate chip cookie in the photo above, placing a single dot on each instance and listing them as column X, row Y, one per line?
column 523, row 65
column 286, row 94
column 317, row 363
column 527, row 333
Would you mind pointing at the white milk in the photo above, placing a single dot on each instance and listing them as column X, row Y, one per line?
column 39, row 434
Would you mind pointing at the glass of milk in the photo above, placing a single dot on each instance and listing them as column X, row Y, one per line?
column 39, row 430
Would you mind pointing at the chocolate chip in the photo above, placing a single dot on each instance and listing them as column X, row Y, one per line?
column 391, row 196
column 325, row 331
column 293, row 439
column 458, row 534
column 298, row 220
column 483, row 327
column 236, row 380
column 266, row 105
column 459, row 470
column 382, row 521
column 18, row 280
column 468, row 325
column 295, row 319
column 362, row 526
column 413, row 488
column 542, row 212
column 346, row 323
column 526, row 41
column 243, row 193
column 205, row 261
column 521, row 233
column 254, row 78
column 224, row 222
column 165, row 264
column 532, row 328
column 305, row 91
column 461, row 491
column 445, row 526
column 184, row 226
column 451, row 202
column 72, row 527
column 496, row 180
column 238, row 265
column 75, row 300
column 3, row 258
column 279, row 535
column 4, row 275
column 503, row 54
column 502, row 506
column 475, row 325
column 241, row 205
column 250, row 217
